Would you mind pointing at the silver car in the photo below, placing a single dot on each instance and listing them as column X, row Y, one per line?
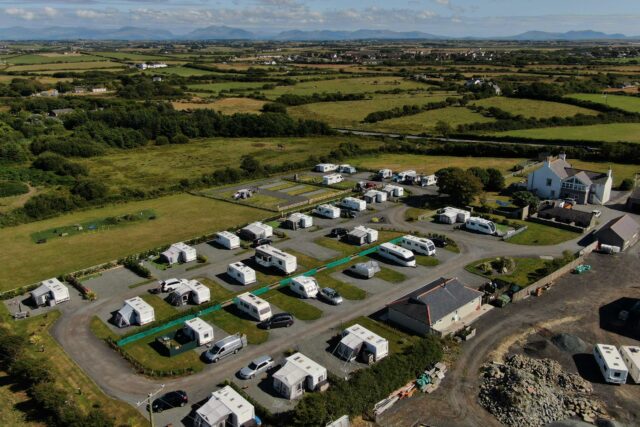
column 260, row 364
column 331, row 296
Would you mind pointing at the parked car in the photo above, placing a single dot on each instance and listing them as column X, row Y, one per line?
column 338, row 232
column 596, row 213
column 262, row 241
column 225, row 347
column 330, row 295
column 347, row 213
column 258, row 365
column 170, row 400
column 170, row 285
column 279, row 320
column 439, row 242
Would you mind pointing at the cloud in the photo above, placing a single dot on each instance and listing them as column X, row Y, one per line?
column 443, row 2
column 50, row 12
column 96, row 14
column 25, row 14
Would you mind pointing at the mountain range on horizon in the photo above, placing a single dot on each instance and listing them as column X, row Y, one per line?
column 229, row 33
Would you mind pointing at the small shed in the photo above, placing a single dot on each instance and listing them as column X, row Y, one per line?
column 299, row 373
column 50, row 292
column 225, row 407
column 227, row 240
column 256, row 230
column 179, row 252
column 241, row 273
column 199, row 330
column 298, row 220
column 135, row 311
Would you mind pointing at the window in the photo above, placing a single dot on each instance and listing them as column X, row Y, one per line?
column 549, row 182
column 616, row 374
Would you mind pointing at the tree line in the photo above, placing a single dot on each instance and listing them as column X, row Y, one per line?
column 410, row 110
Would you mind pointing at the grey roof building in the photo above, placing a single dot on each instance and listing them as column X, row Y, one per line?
column 622, row 232
column 568, row 216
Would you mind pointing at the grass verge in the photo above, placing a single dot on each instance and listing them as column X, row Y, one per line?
column 230, row 321
column 398, row 340
column 286, row 300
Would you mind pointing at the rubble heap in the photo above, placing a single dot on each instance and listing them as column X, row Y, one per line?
column 529, row 392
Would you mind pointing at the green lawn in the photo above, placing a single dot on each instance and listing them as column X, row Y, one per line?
column 282, row 186
column 426, row 121
column 226, row 86
column 398, row 340
column 305, row 262
column 533, row 108
column 261, row 201
column 218, row 292
column 523, row 275
column 287, row 301
column 101, row 330
column 613, row 132
column 347, row 290
column 627, row 103
column 540, row 235
column 301, row 190
column 390, row 275
column 430, row 164
column 228, row 320
column 427, row 261
column 182, row 71
column 162, row 309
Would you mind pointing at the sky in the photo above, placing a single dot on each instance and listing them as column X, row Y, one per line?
column 455, row 18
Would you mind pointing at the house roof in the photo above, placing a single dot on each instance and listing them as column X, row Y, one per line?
column 624, row 226
column 586, row 176
column 567, row 215
column 560, row 166
column 635, row 195
column 435, row 300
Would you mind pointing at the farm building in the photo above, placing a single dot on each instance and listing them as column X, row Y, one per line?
column 199, row 330
column 179, row 252
column 254, row 306
column 622, row 232
column 451, row 215
column 359, row 342
column 393, row 190
column 268, row 256
column 574, row 217
column 439, row 307
column 135, row 311
column 299, row 373
column 256, row 230
column 50, row 292
column 241, row 273
column 298, row 220
column 227, row 240
column 332, row 179
column 225, row 407
column 361, row 235
column 375, row 196
column 327, row 211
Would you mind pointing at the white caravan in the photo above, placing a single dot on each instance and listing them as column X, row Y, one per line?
column 393, row 190
column 325, row 167
column 397, row 254
column 611, row 364
column 375, row 196
column 298, row 220
column 179, row 252
column 354, row 204
column 268, row 256
column 327, row 211
column 357, row 341
column 227, row 240
column 451, row 215
column 631, row 358
column 418, row 245
column 428, row 180
column 254, row 306
column 332, row 179
column 385, row 173
column 199, row 330
column 135, row 311
column 480, row 225
column 306, row 287
column 347, row 169
column 241, row 273
column 50, row 292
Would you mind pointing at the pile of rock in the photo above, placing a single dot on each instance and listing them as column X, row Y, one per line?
column 531, row 392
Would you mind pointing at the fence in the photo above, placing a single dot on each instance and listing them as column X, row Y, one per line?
column 512, row 233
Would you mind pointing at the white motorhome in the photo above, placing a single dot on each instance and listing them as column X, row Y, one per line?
column 306, row 287
column 418, row 245
column 428, row 180
column 299, row 373
column 227, row 240
column 375, row 196
column 325, row 167
column 254, row 306
column 393, row 190
column 50, row 292
column 298, row 220
column 347, row 169
column 241, row 273
column 135, row 311
column 327, row 211
column 397, row 254
column 332, row 179
column 179, row 252
column 480, row 225
column 357, row 341
column 199, row 330
column 353, row 204
column 631, row 357
column 611, row 364
column 385, row 173
column 451, row 215
column 268, row 256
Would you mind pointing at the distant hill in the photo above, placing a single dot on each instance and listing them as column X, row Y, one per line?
column 298, row 35
column 218, row 33
column 568, row 36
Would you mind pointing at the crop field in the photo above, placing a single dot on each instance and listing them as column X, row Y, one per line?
column 627, row 103
column 181, row 71
column 180, row 217
column 225, row 105
column 226, row 86
column 351, row 113
column 426, row 121
column 154, row 166
column 534, row 108
column 430, row 164
column 51, row 58
column 613, row 132
column 81, row 66
column 134, row 56
column 355, row 85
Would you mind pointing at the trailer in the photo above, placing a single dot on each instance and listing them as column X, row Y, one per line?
column 427, row 180
column 298, row 220
column 299, row 373
column 325, row 167
column 135, row 311
column 365, row 270
column 179, row 252
column 631, row 357
column 50, row 292
column 304, row 286
column 360, row 343
column 199, row 330
column 200, row 293
column 451, row 215
column 353, row 204
column 227, row 240
column 361, row 235
column 347, row 169
column 393, row 190
column 253, row 306
column 241, row 273
column 256, row 230
column 611, row 364
column 375, row 196
column 397, row 254
column 225, row 407
column 327, row 211
column 407, row 176
column 418, row 245
column 385, row 174
column 480, row 225
column 268, row 256
column 332, row 179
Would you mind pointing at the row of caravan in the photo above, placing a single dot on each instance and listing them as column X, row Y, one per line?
column 616, row 365
column 404, row 252
column 451, row 215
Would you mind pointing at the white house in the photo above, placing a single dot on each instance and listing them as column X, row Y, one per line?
column 299, row 373
column 225, row 407
column 327, row 211
column 359, row 341
column 332, row 179
column 556, row 179
column 268, row 256
column 306, row 287
column 256, row 230
column 254, row 306
column 179, row 252
column 227, row 240
column 50, row 292
column 242, row 273
column 199, row 330
column 135, row 311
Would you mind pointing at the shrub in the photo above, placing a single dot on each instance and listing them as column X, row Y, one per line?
column 162, row 140
column 626, row 184
column 179, row 139
column 133, row 263
column 12, row 188
column 90, row 189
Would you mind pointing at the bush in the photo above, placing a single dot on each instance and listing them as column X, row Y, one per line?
column 59, row 165
column 626, row 184
column 133, row 263
column 90, row 189
column 162, row 140
column 13, row 188
column 274, row 107
column 179, row 139
column 46, row 205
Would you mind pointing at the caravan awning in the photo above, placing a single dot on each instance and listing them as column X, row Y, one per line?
column 290, row 374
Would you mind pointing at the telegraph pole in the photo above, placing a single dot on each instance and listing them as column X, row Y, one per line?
column 149, row 402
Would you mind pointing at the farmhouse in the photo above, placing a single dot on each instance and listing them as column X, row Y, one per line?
column 439, row 307
column 256, row 230
column 50, row 292
column 622, row 232
column 225, row 407
column 557, row 179
column 179, row 252
column 135, row 311
column 299, row 373
column 268, row 256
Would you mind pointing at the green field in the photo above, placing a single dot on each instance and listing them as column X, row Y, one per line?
column 426, row 121
column 614, row 132
column 523, row 275
column 289, row 302
column 541, row 235
column 430, row 164
column 133, row 56
column 181, row 71
column 51, row 68
column 180, row 217
column 627, row 103
column 351, row 113
column 32, row 59
column 533, row 108
column 354, row 85
column 226, row 86
column 228, row 320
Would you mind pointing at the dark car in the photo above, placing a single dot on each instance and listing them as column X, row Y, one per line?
column 170, row 400
column 280, row 320
column 261, row 241
column 338, row 232
column 440, row 243
column 347, row 213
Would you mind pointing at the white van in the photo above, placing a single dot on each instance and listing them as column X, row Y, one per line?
column 611, row 364
column 418, row 245
column 397, row 254
column 480, row 225
column 306, row 287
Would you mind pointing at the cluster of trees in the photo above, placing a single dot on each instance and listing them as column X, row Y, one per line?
column 462, row 186
column 59, row 165
column 56, row 406
column 293, row 99
column 143, row 87
column 410, row 110
column 132, row 263
column 526, row 198
column 12, row 188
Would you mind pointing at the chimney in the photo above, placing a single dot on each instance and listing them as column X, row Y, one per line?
column 609, row 172
column 562, row 156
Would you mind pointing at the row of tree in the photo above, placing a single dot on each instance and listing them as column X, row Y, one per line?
column 462, row 186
